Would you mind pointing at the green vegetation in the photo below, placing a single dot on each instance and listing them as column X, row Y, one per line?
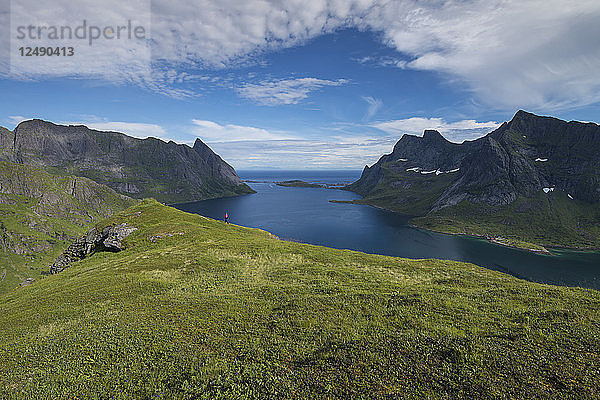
column 520, row 245
column 40, row 214
column 534, row 181
column 222, row 311
column 419, row 192
column 549, row 220
column 169, row 192
column 298, row 183
column 169, row 172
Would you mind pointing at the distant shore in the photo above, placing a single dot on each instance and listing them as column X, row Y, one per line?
column 301, row 183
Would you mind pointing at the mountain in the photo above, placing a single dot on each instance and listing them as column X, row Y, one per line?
column 139, row 168
column 534, row 179
column 194, row 308
column 41, row 213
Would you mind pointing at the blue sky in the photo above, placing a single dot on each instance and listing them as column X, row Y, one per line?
column 288, row 84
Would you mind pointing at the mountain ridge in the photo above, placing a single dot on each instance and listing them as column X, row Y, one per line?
column 139, row 168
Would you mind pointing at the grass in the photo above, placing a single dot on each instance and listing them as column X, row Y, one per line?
column 406, row 192
column 298, row 183
column 171, row 191
column 222, row 311
column 548, row 220
column 40, row 215
column 520, row 245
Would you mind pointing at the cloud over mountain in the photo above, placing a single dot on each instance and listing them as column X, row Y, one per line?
column 510, row 54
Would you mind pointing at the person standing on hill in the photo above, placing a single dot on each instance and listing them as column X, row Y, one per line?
column 226, row 218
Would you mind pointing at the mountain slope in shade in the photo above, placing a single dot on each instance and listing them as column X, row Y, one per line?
column 139, row 168
column 534, row 179
column 41, row 213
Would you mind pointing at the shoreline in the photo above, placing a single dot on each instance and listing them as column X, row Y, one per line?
column 499, row 242
column 302, row 184
column 489, row 239
column 493, row 240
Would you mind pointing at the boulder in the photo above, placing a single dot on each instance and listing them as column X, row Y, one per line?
column 109, row 238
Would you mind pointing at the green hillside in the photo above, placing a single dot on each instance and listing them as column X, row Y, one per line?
column 551, row 219
column 548, row 220
column 197, row 309
column 41, row 213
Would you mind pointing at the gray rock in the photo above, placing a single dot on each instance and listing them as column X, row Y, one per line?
column 496, row 169
column 109, row 238
column 114, row 236
column 27, row 282
column 169, row 172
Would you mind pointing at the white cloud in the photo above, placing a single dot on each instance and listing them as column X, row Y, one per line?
column 121, row 58
column 16, row 119
column 384, row 61
column 210, row 131
column 253, row 147
column 284, row 91
column 454, row 131
column 135, row 129
column 374, row 106
column 536, row 54
column 301, row 154
column 526, row 54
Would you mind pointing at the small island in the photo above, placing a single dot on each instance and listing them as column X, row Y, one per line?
column 299, row 183
column 519, row 244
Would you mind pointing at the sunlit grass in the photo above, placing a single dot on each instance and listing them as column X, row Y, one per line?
column 223, row 311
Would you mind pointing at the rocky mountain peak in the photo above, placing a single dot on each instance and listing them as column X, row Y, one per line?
column 433, row 135
column 517, row 160
column 150, row 167
column 523, row 115
column 533, row 126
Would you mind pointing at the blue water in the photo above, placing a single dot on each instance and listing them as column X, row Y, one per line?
column 306, row 215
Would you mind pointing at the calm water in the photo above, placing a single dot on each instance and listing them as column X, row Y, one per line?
column 306, row 215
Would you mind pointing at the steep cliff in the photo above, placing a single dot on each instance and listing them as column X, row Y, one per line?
column 139, row 168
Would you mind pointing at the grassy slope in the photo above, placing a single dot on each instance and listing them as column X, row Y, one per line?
column 172, row 192
column 39, row 217
column 550, row 220
column 223, row 311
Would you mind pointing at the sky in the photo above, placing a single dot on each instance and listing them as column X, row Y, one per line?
column 298, row 84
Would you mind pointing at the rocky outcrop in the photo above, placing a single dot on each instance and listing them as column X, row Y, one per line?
column 109, row 238
column 26, row 282
column 42, row 213
column 139, row 168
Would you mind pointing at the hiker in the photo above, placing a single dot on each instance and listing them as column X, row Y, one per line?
column 226, row 218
